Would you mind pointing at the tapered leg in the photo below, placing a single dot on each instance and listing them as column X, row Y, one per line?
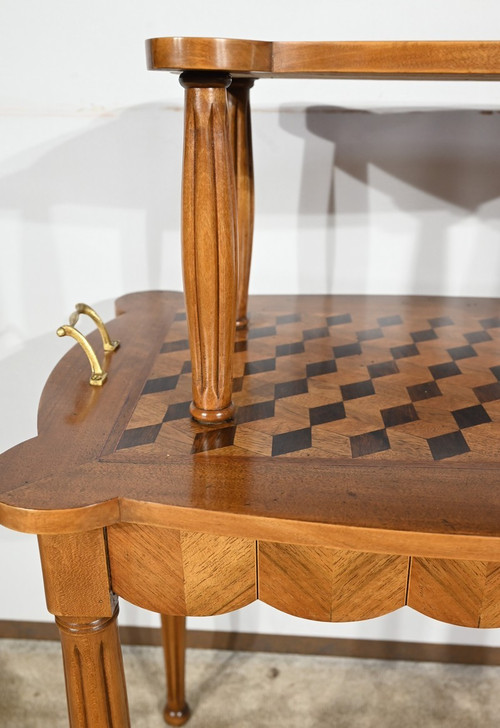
column 93, row 668
column 209, row 243
column 76, row 579
column 173, row 630
column 240, row 133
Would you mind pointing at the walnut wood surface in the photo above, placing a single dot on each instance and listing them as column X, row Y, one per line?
column 433, row 508
column 240, row 135
column 331, row 585
column 330, row 59
column 181, row 573
column 209, row 238
column 75, row 574
column 461, row 592
column 78, row 590
column 173, row 632
column 93, row 668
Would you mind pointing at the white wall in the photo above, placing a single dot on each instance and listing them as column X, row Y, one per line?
column 351, row 196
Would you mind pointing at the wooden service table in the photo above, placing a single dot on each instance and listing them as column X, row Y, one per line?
column 351, row 466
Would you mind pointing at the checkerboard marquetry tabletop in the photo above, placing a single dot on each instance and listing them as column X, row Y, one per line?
column 402, row 379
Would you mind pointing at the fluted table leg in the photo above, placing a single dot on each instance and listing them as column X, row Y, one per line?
column 76, row 579
column 173, row 632
column 95, row 682
column 209, row 243
column 240, row 132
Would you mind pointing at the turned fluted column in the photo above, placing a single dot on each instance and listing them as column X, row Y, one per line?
column 240, row 132
column 173, row 630
column 209, row 243
column 95, row 682
column 78, row 592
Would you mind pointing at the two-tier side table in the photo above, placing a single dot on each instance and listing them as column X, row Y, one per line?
column 337, row 457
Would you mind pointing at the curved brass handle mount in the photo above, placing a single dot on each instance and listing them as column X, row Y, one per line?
column 98, row 376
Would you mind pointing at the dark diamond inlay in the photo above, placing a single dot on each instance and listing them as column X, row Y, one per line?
column 490, row 323
column 476, row 337
column 186, row 367
column 139, row 436
column 369, row 334
column 343, row 318
column 426, row 335
column 400, row 415
column 321, row 367
column 213, row 439
column 447, row 446
column 240, row 346
column 357, row 390
column 369, row 443
column 177, row 411
column 261, row 332
column 237, row 384
column 496, row 371
column 290, row 389
column 285, row 349
column 389, row 320
column 423, row 391
column 288, row 318
column 257, row 411
column 347, row 350
column 257, row 367
column 471, row 416
column 162, row 384
column 291, row 441
column 180, row 316
column 461, row 352
column 383, row 369
column 169, row 346
column 441, row 371
column 402, row 352
column 488, row 392
column 440, row 321
column 327, row 413
column 319, row 333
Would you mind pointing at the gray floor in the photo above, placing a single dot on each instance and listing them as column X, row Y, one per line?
column 263, row 691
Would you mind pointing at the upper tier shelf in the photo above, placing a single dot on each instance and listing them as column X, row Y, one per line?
column 455, row 60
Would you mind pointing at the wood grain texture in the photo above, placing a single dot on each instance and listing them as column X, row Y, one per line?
column 219, row 572
column 240, row 135
column 217, row 54
column 173, row 632
column 330, row 59
column 146, row 567
column 181, row 573
column 93, row 668
column 91, row 418
column 466, row 593
column 450, row 508
column 394, row 59
column 75, row 574
column 330, row 584
column 395, row 382
column 209, row 238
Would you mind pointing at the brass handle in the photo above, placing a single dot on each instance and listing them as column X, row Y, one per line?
column 98, row 376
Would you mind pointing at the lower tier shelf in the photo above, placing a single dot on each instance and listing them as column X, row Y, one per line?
column 349, row 377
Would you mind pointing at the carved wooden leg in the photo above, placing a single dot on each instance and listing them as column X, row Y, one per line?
column 209, row 244
column 241, row 142
column 95, row 683
column 173, row 630
column 76, row 581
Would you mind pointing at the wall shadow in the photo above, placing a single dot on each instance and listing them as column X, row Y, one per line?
column 117, row 168
column 423, row 162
